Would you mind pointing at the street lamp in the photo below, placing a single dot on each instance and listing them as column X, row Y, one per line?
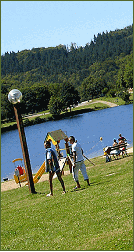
column 15, row 97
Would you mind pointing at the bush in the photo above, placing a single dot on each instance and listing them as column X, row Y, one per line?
column 111, row 93
column 125, row 96
column 37, row 120
column 26, row 122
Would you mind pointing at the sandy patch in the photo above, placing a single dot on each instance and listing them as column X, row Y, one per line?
column 11, row 184
column 130, row 150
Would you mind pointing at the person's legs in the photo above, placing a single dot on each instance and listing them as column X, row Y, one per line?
column 78, row 184
column 50, row 182
column 61, row 180
column 84, row 172
column 75, row 174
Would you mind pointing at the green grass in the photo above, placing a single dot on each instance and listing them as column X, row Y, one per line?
column 96, row 106
column 99, row 217
column 116, row 100
column 7, row 124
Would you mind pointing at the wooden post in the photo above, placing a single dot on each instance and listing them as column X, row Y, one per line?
column 24, row 148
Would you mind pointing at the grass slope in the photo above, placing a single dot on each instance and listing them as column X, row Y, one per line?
column 99, row 217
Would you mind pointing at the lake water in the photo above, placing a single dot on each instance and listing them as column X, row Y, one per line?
column 87, row 129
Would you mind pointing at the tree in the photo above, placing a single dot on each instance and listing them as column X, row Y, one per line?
column 121, row 83
column 108, row 56
column 128, row 72
column 125, row 96
column 69, row 95
column 63, row 95
column 55, row 105
column 93, row 87
column 7, row 111
column 42, row 97
column 86, row 89
column 28, row 101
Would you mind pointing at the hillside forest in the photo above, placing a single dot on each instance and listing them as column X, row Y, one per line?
column 57, row 78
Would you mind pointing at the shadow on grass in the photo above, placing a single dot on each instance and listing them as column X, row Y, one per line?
column 79, row 189
column 39, row 193
column 99, row 183
column 120, row 157
column 91, row 184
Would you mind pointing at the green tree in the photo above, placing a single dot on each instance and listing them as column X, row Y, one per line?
column 70, row 96
column 63, row 95
column 128, row 72
column 93, row 87
column 7, row 111
column 55, row 105
column 42, row 97
column 125, row 96
column 28, row 101
column 85, row 89
column 121, row 83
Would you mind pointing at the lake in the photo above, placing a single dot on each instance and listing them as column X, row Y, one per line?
column 87, row 128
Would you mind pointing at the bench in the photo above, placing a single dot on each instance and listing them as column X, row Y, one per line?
column 117, row 150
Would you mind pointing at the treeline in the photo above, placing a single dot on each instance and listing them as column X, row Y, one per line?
column 59, row 77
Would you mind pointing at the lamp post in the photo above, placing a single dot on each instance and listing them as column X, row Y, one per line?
column 15, row 97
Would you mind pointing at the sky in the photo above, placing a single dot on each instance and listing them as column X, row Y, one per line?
column 34, row 24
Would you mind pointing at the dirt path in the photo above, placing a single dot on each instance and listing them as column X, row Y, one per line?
column 9, row 185
column 110, row 104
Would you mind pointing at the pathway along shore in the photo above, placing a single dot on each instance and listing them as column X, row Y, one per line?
column 110, row 104
column 11, row 184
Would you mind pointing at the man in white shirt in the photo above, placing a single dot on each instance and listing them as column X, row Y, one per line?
column 78, row 162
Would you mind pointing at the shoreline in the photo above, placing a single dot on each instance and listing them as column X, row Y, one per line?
column 11, row 184
column 37, row 118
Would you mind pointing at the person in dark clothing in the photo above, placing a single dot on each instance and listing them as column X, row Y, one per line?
column 52, row 166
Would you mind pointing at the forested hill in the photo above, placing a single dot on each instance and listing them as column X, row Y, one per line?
column 60, row 59
column 100, row 63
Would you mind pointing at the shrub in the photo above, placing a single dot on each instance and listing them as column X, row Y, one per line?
column 125, row 96
column 26, row 122
column 37, row 120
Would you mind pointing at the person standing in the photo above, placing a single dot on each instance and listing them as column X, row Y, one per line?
column 78, row 162
column 122, row 145
column 121, row 138
column 52, row 166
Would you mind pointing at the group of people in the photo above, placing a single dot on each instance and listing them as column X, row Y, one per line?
column 120, row 146
column 52, row 165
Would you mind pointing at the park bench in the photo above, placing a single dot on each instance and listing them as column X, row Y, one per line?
column 117, row 150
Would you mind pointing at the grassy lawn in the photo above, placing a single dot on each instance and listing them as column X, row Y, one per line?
column 96, row 106
column 99, row 217
column 116, row 100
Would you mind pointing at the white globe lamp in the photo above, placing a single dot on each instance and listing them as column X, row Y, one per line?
column 15, row 96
